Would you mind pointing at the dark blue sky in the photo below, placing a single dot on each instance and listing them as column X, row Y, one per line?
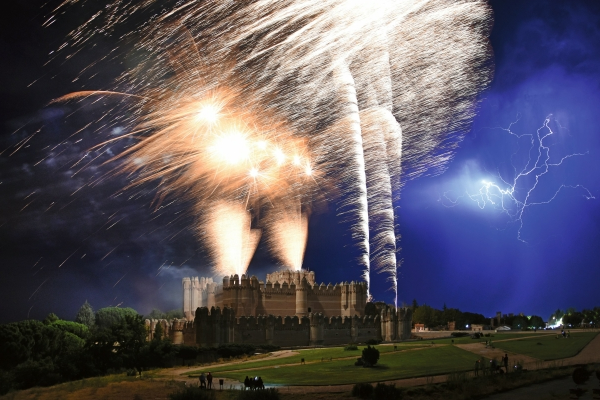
column 61, row 246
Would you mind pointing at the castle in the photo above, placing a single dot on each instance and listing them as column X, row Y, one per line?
column 290, row 309
column 285, row 293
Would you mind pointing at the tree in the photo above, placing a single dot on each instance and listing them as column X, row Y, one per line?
column 51, row 318
column 370, row 356
column 109, row 316
column 427, row 315
column 158, row 332
column 156, row 314
column 177, row 313
column 187, row 353
column 520, row 323
column 573, row 319
column 536, row 322
column 85, row 315
column 415, row 305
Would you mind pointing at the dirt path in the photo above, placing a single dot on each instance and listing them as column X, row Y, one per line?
column 174, row 373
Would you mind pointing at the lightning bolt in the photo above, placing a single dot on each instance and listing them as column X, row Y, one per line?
column 515, row 196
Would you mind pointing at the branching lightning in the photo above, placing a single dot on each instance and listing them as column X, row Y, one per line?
column 514, row 196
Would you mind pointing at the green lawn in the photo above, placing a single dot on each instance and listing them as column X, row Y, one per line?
column 311, row 355
column 426, row 361
column 549, row 347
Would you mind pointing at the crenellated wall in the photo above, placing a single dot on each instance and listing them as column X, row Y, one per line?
column 290, row 309
column 214, row 327
column 285, row 293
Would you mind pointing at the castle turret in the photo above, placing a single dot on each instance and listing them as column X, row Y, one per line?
column 188, row 311
column 302, row 298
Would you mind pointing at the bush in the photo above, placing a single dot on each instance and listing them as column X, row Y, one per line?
column 362, row 390
column 383, row 391
column 373, row 341
column 269, row 347
column 370, row 356
column 359, row 362
column 193, row 393
column 235, row 350
column 351, row 347
column 266, row 394
column 459, row 334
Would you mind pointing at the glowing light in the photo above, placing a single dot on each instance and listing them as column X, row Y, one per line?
column 253, row 172
column 279, row 156
column 231, row 147
column 208, row 113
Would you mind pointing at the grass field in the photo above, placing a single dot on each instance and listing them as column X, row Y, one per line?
column 101, row 388
column 312, row 355
column 427, row 361
column 548, row 347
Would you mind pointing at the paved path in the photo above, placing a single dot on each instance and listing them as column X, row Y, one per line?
column 589, row 354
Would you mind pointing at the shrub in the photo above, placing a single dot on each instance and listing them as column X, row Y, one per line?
column 373, row 341
column 459, row 334
column 235, row 350
column 266, row 394
column 193, row 393
column 359, row 362
column 370, row 356
column 351, row 347
column 362, row 390
column 383, row 391
column 269, row 347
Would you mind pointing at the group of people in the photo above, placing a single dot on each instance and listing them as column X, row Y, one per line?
column 206, row 380
column 493, row 367
column 565, row 334
column 253, row 383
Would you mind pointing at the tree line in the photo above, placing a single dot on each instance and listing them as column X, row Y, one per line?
column 110, row 340
column 438, row 319
column 571, row 317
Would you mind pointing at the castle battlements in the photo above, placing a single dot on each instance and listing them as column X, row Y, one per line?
column 215, row 326
column 284, row 293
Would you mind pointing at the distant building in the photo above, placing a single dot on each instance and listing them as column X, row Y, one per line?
column 479, row 328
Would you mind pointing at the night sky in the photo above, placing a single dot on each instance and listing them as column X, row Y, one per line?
column 63, row 241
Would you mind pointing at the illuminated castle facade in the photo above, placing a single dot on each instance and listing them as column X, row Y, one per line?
column 286, row 293
column 290, row 309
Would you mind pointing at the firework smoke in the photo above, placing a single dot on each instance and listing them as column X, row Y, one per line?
column 287, row 228
column 376, row 90
column 229, row 237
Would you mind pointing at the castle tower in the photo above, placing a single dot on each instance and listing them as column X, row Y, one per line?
column 196, row 294
column 302, row 298
column 211, row 289
column 188, row 311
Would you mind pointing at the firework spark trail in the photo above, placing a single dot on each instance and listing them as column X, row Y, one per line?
column 343, row 75
column 509, row 196
column 287, row 233
column 229, row 235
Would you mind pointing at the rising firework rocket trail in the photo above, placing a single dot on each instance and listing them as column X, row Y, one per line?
column 263, row 104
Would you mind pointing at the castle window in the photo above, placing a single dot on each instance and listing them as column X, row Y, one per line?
column 309, row 309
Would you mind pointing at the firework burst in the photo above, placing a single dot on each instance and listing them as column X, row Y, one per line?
column 364, row 93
